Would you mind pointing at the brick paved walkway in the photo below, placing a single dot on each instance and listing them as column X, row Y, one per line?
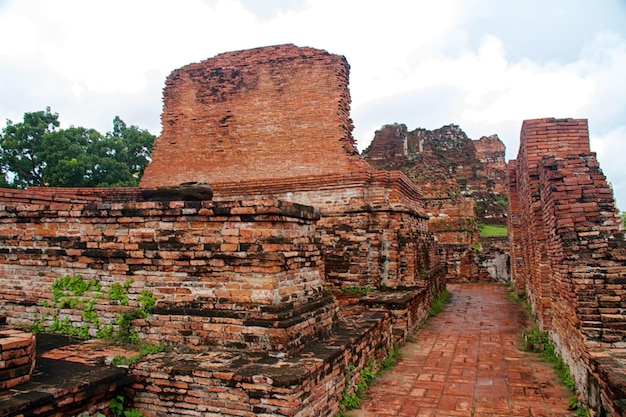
column 467, row 362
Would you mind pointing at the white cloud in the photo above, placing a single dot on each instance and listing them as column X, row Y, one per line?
column 18, row 36
column 424, row 64
column 498, row 90
column 610, row 148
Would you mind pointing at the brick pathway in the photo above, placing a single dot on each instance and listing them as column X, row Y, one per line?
column 467, row 362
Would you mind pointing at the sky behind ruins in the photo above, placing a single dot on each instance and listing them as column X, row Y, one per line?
column 485, row 65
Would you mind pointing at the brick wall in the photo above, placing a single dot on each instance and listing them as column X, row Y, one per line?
column 568, row 249
column 515, row 230
column 236, row 383
column 452, row 220
column 538, row 138
column 45, row 195
column 373, row 227
column 265, row 113
column 274, row 122
column 231, row 263
column 463, row 182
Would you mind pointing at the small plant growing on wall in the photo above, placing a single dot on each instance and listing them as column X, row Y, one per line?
column 355, row 290
column 117, row 408
column 76, row 293
column 354, row 391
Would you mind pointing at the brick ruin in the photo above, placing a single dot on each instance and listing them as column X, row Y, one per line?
column 180, row 252
column 268, row 130
column 17, row 357
column 246, row 274
column 464, row 184
column 568, row 255
column 261, row 114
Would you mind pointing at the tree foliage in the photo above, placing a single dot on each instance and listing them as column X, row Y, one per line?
column 21, row 144
column 35, row 152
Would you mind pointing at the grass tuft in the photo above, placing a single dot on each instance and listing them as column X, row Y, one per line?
column 438, row 303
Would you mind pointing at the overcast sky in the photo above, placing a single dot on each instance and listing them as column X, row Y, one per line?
column 485, row 65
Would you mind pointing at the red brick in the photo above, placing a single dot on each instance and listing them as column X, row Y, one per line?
column 561, row 238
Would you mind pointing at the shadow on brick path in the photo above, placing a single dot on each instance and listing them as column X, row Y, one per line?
column 466, row 362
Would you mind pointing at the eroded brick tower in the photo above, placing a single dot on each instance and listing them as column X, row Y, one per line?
column 265, row 114
column 275, row 122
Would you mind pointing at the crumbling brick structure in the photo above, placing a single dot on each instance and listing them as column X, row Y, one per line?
column 214, row 267
column 17, row 357
column 569, row 255
column 275, row 122
column 243, row 275
column 463, row 182
column 265, row 114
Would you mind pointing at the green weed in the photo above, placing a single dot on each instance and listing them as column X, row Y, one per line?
column 390, row 360
column 147, row 301
column 117, row 408
column 438, row 303
column 537, row 341
column 146, row 349
column 119, row 292
column 351, row 397
column 74, row 292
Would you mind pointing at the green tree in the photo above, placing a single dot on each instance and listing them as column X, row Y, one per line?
column 69, row 158
column 73, row 157
column 131, row 146
column 20, row 144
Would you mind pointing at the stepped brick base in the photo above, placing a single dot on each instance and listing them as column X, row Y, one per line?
column 17, row 357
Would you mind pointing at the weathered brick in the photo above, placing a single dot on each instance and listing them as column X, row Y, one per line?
column 560, row 233
column 289, row 194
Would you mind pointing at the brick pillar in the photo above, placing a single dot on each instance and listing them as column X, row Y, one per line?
column 540, row 137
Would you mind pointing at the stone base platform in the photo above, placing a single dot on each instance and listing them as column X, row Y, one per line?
column 309, row 383
column 280, row 327
column 72, row 379
column 69, row 378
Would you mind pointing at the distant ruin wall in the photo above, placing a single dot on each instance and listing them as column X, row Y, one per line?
column 568, row 249
column 490, row 152
column 463, row 182
column 452, row 220
column 445, row 163
column 267, row 113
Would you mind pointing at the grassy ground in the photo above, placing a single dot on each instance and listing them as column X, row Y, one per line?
column 492, row 230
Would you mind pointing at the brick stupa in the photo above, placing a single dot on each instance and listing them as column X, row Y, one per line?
column 267, row 113
column 274, row 122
